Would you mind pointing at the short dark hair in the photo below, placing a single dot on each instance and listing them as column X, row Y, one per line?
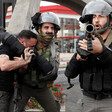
column 26, row 34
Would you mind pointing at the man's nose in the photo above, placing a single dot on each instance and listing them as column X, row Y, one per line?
column 50, row 30
column 97, row 19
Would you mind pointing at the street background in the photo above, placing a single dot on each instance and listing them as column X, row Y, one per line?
column 73, row 96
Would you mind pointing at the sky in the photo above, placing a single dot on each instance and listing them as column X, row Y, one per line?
column 45, row 3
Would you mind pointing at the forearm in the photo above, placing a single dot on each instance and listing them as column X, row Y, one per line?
column 12, row 65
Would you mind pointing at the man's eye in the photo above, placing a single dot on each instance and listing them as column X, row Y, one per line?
column 46, row 27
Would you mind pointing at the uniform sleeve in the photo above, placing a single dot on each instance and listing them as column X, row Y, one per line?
column 106, row 55
column 54, row 60
column 73, row 68
column 4, row 50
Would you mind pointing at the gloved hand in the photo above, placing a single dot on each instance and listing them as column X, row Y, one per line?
column 84, row 54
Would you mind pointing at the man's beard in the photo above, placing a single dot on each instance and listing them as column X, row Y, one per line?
column 45, row 39
column 102, row 30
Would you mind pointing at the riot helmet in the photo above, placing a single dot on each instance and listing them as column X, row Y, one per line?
column 108, row 2
column 47, row 17
column 96, row 7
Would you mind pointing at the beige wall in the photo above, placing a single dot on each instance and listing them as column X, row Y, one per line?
column 21, row 17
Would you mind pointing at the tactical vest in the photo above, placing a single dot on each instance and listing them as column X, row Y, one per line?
column 96, row 76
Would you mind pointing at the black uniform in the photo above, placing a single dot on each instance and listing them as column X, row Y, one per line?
column 95, row 74
column 6, row 82
column 6, row 77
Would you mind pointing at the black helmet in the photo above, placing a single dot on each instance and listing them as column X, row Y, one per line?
column 46, row 17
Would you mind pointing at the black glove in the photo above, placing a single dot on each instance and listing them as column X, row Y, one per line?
column 80, row 51
column 12, row 42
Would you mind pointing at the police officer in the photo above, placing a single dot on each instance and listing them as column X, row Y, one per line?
column 37, row 78
column 94, row 66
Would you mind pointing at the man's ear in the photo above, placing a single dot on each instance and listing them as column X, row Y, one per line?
column 21, row 41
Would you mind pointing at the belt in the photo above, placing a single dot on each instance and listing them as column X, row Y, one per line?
column 97, row 96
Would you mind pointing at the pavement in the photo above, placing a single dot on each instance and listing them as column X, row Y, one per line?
column 73, row 96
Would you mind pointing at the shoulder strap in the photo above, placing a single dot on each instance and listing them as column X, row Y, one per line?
column 109, row 39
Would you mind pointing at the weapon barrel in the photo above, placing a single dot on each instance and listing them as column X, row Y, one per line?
column 89, row 28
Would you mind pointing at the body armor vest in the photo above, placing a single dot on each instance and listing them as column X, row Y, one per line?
column 96, row 75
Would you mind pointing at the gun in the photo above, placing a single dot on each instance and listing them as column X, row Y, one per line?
column 81, row 52
column 89, row 30
column 88, row 35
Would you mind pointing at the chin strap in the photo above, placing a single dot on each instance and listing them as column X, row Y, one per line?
column 109, row 38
